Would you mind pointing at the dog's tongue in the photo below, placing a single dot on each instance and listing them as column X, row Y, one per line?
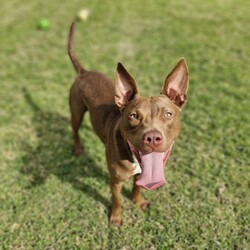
column 152, row 175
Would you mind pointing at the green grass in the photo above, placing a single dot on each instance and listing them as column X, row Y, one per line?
column 52, row 200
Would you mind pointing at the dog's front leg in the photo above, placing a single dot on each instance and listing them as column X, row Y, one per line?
column 137, row 197
column 115, row 217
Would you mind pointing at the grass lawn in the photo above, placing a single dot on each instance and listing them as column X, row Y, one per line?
column 52, row 200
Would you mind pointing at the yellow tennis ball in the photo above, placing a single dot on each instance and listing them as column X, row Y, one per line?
column 43, row 24
column 83, row 14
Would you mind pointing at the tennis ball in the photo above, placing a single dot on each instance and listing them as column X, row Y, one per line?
column 43, row 24
column 83, row 15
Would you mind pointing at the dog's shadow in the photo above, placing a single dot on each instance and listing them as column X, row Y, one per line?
column 51, row 154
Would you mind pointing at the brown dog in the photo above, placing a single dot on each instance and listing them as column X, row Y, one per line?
column 138, row 132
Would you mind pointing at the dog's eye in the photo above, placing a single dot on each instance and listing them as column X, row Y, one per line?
column 168, row 114
column 134, row 115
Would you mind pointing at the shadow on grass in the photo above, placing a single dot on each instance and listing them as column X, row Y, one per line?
column 52, row 154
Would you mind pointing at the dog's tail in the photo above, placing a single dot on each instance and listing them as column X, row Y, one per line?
column 71, row 50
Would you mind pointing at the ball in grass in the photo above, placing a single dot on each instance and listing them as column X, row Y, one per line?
column 43, row 24
column 83, row 15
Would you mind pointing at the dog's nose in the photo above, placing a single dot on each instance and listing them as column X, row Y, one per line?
column 152, row 139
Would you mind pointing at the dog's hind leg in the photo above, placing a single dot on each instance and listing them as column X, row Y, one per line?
column 77, row 108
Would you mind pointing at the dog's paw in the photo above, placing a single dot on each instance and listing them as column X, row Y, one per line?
column 78, row 151
column 115, row 221
column 141, row 203
column 144, row 205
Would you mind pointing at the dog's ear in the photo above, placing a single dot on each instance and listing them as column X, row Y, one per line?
column 176, row 84
column 125, row 87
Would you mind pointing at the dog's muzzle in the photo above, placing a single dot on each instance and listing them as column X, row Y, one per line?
column 151, row 165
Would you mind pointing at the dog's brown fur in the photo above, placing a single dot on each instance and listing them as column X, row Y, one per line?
column 119, row 114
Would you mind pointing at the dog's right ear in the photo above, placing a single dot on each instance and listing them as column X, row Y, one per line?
column 125, row 86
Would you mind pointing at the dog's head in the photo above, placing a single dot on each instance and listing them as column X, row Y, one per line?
column 151, row 124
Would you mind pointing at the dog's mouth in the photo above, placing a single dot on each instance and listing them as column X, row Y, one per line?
column 151, row 167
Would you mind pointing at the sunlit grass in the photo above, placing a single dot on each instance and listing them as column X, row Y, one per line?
column 52, row 200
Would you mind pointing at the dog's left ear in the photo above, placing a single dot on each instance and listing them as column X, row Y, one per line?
column 125, row 87
column 176, row 84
